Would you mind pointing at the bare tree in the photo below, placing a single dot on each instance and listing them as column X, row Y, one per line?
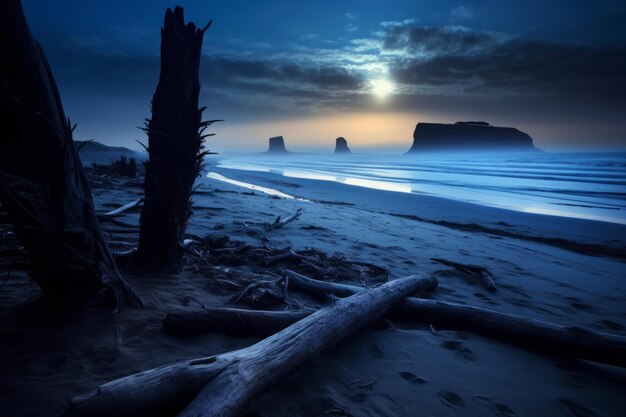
column 43, row 187
column 175, row 145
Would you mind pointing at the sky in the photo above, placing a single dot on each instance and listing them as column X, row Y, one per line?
column 366, row 70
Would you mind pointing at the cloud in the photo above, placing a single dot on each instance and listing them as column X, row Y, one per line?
column 449, row 60
column 450, row 69
column 352, row 17
column 521, row 66
column 461, row 13
column 394, row 23
column 425, row 41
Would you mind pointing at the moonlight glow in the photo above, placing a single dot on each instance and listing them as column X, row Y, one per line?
column 381, row 87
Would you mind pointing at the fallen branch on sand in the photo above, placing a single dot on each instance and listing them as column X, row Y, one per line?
column 227, row 384
column 476, row 270
column 240, row 322
column 280, row 257
column 124, row 253
column 123, row 208
column 278, row 223
column 540, row 336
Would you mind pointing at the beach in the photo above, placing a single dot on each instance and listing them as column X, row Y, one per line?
column 563, row 270
column 312, row 209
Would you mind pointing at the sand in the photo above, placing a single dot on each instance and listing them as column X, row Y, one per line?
column 391, row 370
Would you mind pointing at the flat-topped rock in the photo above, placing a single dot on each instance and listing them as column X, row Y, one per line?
column 341, row 145
column 473, row 123
column 469, row 136
column 277, row 145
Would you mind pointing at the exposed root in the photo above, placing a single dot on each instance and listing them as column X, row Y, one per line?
column 266, row 293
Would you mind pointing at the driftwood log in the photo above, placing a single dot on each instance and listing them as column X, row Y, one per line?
column 536, row 335
column 540, row 336
column 43, row 186
column 280, row 222
column 124, row 208
column 476, row 270
column 227, row 384
column 175, row 145
column 240, row 322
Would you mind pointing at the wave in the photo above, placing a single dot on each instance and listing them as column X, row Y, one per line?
column 591, row 186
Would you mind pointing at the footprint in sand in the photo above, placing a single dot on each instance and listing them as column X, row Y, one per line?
column 365, row 383
column 412, row 378
column 373, row 349
column 462, row 335
column 578, row 304
column 450, row 399
column 499, row 409
column 576, row 409
column 462, row 350
column 576, row 381
column 608, row 324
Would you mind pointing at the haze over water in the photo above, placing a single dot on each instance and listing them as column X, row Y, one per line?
column 581, row 185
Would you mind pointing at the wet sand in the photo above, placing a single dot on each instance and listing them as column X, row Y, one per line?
column 390, row 370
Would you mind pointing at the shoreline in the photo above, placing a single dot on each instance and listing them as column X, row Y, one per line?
column 585, row 186
column 584, row 236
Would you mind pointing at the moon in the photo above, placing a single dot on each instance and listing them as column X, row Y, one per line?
column 381, row 87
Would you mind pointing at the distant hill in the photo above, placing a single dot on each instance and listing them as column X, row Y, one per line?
column 90, row 152
column 93, row 146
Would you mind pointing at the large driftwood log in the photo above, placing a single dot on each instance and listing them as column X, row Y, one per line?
column 43, row 187
column 232, row 381
column 569, row 341
column 240, row 322
column 175, row 145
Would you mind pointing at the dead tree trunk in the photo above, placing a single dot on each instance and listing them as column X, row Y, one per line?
column 175, row 145
column 233, row 380
column 43, row 187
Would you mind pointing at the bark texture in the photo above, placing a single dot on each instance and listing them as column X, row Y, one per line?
column 233, row 380
column 43, row 187
column 540, row 336
column 175, row 145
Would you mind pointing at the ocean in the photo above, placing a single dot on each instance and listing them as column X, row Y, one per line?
column 582, row 185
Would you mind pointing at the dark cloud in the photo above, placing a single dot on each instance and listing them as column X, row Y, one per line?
column 438, row 40
column 218, row 68
column 277, row 75
column 326, row 77
column 448, row 70
column 83, row 69
column 514, row 66
column 86, row 68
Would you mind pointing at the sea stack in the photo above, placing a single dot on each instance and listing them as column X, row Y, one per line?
column 469, row 136
column 341, row 145
column 277, row 145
